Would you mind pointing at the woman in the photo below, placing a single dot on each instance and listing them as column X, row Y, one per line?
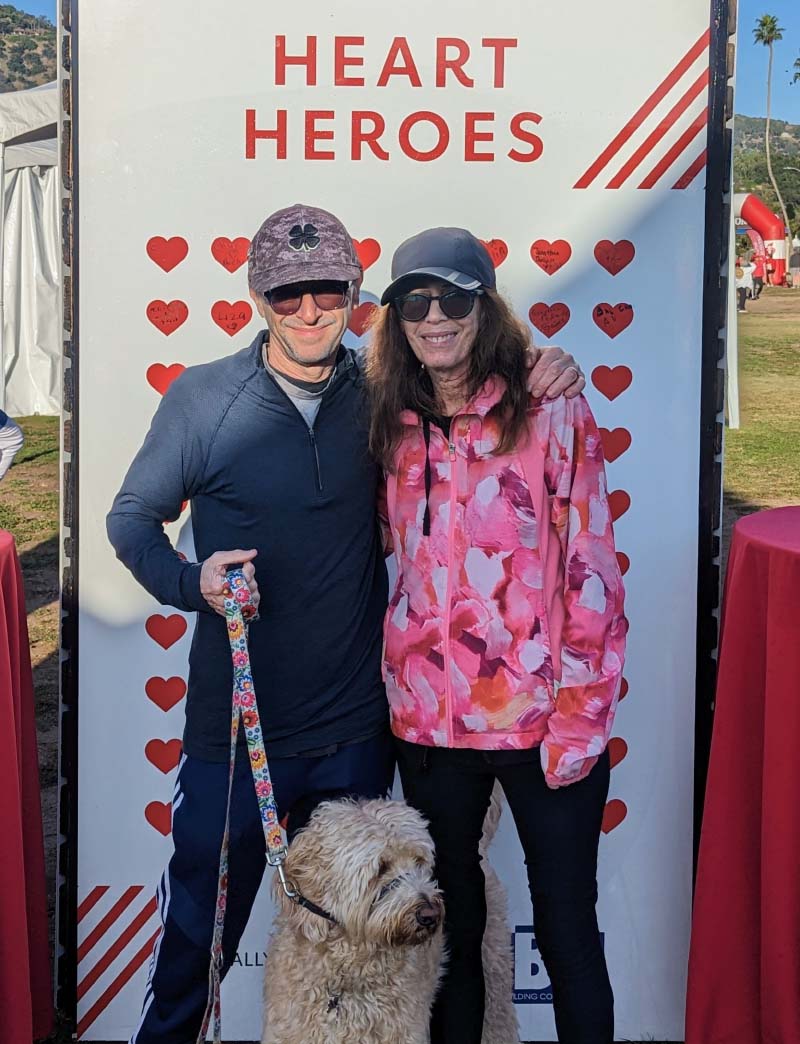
column 497, row 667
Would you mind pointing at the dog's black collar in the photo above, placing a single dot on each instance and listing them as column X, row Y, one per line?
column 313, row 908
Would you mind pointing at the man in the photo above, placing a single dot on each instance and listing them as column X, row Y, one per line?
column 270, row 446
column 794, row 268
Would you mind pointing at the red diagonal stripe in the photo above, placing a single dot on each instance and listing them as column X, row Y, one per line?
column 105, row 922
column 655, row 137
column 124, row 976
column 116, row 948
column 672, row 154
column 91, row 900
column 641, row 115
column 686, row 179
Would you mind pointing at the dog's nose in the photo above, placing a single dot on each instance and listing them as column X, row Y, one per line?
column 428, row 916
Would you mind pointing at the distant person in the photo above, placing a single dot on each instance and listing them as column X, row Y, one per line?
column 794, row 267
column 770, row 266
column 744, row 282
column 11, row 440
column 759, row 261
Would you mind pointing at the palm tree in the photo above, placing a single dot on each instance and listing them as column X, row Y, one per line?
column 766, row 32
column 796, row 76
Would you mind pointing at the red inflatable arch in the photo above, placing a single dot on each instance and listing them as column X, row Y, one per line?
column 769, row 225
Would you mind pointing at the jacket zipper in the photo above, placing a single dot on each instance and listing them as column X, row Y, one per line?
column 448, row 689
column 313, row 439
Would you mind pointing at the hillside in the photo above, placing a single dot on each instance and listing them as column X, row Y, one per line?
column 27, row 49
column 750, row 162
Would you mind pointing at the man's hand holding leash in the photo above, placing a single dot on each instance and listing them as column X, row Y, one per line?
column 214, row 571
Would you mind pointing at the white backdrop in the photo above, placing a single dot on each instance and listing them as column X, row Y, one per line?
column 172, row 167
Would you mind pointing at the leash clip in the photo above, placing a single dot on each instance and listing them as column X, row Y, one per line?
column 288, row 887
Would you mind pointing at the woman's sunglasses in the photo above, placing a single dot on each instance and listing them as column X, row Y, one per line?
column 328, row 294
column 455, row 304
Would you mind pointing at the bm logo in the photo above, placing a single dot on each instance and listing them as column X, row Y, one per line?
column 531, row 982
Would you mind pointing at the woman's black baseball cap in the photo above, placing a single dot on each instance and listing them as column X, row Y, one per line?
column 451, row 254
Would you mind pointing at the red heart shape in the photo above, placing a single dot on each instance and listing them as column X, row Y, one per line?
column 617, row 750
column 614, row 256
column 615, row 442
column 551, row 256
column 165, row 756
column 166, row 630
column 549, row 319
column 498, row 250
column 360, row 317
column 611, row 382
column 159, row 815
column 167, row 253
column 165, row 692
column 160, row 376
column 231, row 253
column 231, row 317
column 623, row 689
column 612, row 319
column 368, row 250
column 615, row 812
column 167, row 316
column 619, row 502
column 624, row 562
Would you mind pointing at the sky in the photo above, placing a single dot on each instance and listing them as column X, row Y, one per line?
column 751, row 68
column 751, row 61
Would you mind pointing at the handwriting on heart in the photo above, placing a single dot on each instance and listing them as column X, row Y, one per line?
column 611, row 381
column 619, row 502
column 167, row 253
column 498, row 250
column 624, row 562
column 159, row 815
column 231, row 317
column 166, row 693
column 368, row 250
column 615, row 442
column 617, row 750
column 165, row 755
column 549, row 319
column 612, row 319
column 231, row 253
column 360, row 317
column 166, row 630
column 613, row 814
column 614, row 256
column 160, row 376
column 167, row 316
column 551, row 256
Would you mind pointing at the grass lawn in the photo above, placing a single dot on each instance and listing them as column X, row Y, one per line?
column 762, row 469
column 762, row 458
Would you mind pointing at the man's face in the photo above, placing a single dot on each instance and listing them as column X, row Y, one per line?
column 310, row 335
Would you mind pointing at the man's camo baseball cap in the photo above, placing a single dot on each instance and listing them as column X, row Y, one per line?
column 298, row 244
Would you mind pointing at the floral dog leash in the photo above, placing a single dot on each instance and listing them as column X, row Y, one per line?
column 239, row 612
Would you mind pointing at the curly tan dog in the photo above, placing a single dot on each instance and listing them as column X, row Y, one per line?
column 371, row 976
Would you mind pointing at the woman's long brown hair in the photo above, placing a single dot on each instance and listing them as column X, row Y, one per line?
column 397, row 382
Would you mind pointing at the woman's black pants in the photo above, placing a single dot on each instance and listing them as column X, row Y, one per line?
column 559, row 831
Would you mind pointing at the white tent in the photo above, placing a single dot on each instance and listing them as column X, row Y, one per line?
column 30, row 288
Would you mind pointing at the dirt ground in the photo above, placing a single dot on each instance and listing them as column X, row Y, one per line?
column 762, row 470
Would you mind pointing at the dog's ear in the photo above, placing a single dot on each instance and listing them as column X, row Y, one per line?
column 300, row 859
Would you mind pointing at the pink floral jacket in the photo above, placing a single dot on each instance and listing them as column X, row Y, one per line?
column 467, row 654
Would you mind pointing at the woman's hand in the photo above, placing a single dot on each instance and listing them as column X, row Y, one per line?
column 554, row 372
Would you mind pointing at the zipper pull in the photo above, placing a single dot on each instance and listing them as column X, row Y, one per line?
column 451, row 446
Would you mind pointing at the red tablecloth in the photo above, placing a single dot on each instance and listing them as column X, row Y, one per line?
column 26, row 1007
column 744, row 965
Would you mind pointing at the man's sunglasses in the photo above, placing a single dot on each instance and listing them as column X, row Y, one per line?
column 455, row 304
column 327, row 293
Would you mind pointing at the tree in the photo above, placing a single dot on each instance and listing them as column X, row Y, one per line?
column 796, row 76
column 766, row 32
